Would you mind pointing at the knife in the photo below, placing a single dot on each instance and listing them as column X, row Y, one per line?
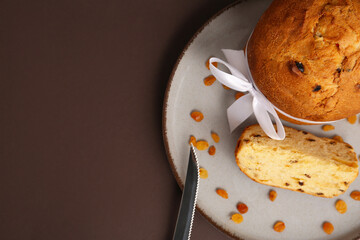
column 188, row 200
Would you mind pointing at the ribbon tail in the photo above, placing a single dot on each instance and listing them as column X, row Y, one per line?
column 239, row 111
column 262, row 112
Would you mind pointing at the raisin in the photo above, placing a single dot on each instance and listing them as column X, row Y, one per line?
column 208, row 63
column 238, row 95
column 317, row 88
column 279, row 226
column 197, row 116
column 301, row 183
column 300, row 190
column 212, row 150
column 272, row 195
column 202, row 145
column 222, row 193
column 215, row 137
column 328, row 227
column 287, row 184
column 311, row 140
column 355, row 195
column 304, row 132
column 300, row 66
column 332, row 142
column 327, row 128
column 208, row 81
column 203, row 173
column 192, row 141
column 338, row 70
column 307, row 175
column 242, row 208
column 352, row 119
column 338, row 138
column 319, row 193
column 237, row 218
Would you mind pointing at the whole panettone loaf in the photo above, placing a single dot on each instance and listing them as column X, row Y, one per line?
column 302, row 162
column 304, row 57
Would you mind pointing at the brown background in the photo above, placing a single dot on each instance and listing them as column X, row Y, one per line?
column 81, row 149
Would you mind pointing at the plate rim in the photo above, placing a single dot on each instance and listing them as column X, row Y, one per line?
column 164, row 118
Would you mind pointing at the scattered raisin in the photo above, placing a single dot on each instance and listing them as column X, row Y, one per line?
column 208, row 81
column 341, row 190
column 328, row 128
column 242, row 208
column 332, row 142
column 340, row 206
column 355, row 195
column 192, row 141
column 203, row 173
column 257, row 135
column 197, row 116
column 215, row 137
column 319, row 193
column 272, row 195
column 300, row 66
column 287, row 184
column 352, row 119
column 301, row 183
column 328, row 227
column 238, row 95
column 346, row 183
column 226, row 87
column 338, row 138
column 202, row 145
column 237, row 218
column 222, row 193
column 294, row 161
column 212, row 150
column 317, row 88
column 246, row 140
column 279, row 226
column 300, row 190
column 215, row 64
column 311, row 140
column 307, row 175
column 304, row 132
column 338, row 70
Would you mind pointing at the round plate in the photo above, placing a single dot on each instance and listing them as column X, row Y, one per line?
column 303, row 214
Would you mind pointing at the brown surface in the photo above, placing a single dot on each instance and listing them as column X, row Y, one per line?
column 82, row 85
column 323, row 35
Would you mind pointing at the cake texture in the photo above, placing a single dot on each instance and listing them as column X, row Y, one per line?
column 304, row 57
column 302, row 162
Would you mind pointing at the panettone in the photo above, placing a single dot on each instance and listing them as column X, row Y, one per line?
column 303, row 56
column 301, row 162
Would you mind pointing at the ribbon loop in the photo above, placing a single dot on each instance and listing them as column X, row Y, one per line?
column 254, row 102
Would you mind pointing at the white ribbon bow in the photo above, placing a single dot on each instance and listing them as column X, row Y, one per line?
column 254, row 102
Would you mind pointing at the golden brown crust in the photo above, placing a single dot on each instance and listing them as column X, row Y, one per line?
column 239, row 145
column 322, row 35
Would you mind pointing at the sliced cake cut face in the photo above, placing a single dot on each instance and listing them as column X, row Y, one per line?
column 302, row 162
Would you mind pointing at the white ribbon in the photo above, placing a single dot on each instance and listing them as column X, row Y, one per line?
column 254, row 102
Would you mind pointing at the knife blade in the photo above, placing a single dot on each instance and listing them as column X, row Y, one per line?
column 188, row 200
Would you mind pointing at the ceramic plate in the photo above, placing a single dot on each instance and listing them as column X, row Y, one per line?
column 303, row 214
